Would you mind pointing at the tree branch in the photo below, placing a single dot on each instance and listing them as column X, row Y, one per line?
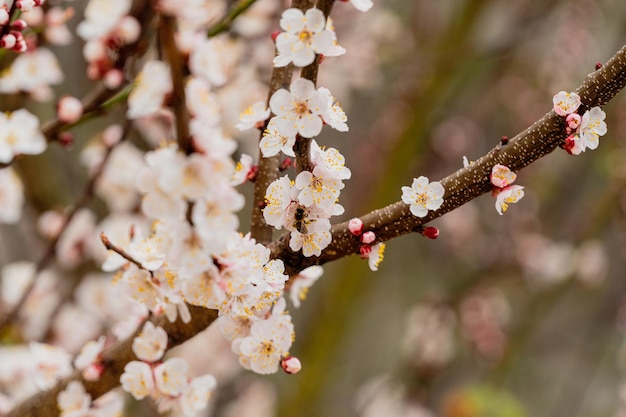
column 268, row 167
column 537, row 141
column 466, row 184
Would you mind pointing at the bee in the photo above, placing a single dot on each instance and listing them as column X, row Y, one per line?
column 300, row 221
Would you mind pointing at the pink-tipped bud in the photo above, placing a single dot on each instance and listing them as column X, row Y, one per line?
column 93, row 372
column 69, row 109
column 113, row 79
column 4, row 16
column 286, row 164
column 8, row 41
column 430, row 232
column 598, row 65
column 355, row 226
column 291, row 365
column 275, row 35
column 322, row 58
column 251, row 176
column 25, row 5
column 365, row 251
column 66, row 139
column 19, row 25
column 20, row 46
column 112, row 135
column 368, row 237
column 573, row 120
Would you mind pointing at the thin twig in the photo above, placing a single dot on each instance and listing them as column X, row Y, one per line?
column 224, row 24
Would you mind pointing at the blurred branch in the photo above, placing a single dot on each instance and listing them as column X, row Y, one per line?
column 224, row 24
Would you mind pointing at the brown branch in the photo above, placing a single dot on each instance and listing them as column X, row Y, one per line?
column 269, row 167
column 535, row 142
column 115, row 359
column 166, row 30
column 302, row 147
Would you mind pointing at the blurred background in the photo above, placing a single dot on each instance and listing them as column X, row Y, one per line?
column 516, row 315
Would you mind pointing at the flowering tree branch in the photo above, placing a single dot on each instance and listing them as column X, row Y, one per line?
column 537, row 141
column 269, row 167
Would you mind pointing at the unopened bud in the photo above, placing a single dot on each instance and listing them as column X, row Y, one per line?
column 598, row 65
column 93, row 372
column 69, row 109
column 19, row 25
column 368, row 237
column 430, row 232
column 365, row 251
column 4, row 16
column 291, row 365
column 573, row 120
column 275, row 35
column 66, row 139
column 355, row 226
column 113, row 79
column 504, row 140
column 8, row 41
column 251, row 176
column 112, row 135
column 286, row 164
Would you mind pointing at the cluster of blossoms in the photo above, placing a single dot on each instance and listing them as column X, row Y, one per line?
column 373, row 253
column 164, row 381
column 584, row 131
column 305, row 205
column 11, row 36
column 501, row 178
column 106, row 29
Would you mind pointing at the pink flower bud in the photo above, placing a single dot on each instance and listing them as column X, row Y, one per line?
column 4, row 16
column 365, row 251
column 66, row 139
column 286, row 164
column 251, row 176
column 19, row 25
column 275, row 35
column 368, row 237
column 355, row 226
column 291, row 365
column 69, row 109
column 113, row 79
column 573, row 120
column 21, row 46
column 112, row 135
column 93, row 372
column 8, row 41
column 430, row 232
